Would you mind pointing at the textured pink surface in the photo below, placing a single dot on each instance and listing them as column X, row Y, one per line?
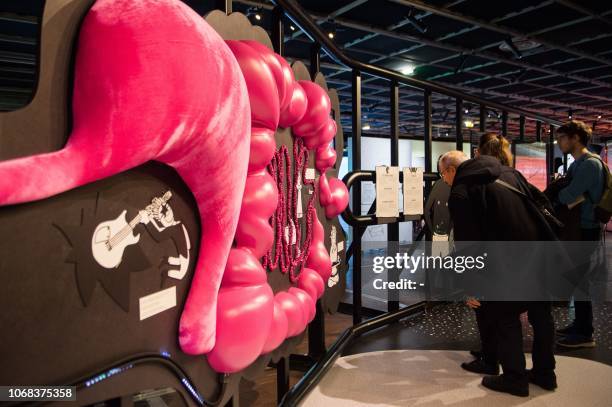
column 277, row 100
column 153, row 81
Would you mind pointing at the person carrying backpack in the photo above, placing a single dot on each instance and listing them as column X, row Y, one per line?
column 484, row 210
column 587, row 186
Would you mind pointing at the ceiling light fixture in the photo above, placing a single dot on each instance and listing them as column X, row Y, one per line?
column 366, row 127
column 407, row 69
column 468, row 124
column 292, row 28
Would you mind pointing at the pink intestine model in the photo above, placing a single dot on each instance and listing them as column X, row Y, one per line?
column 304, row 106
column 153, row 81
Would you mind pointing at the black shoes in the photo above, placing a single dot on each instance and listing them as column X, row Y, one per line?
column 505, row 385
column 576, row 341
column 546, row 380
column 476, row 353
column 480, row 367
column 568, row 330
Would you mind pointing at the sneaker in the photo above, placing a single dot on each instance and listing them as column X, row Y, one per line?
column 505, row 385
column 568, row 330
column 546, row 380
column 576, row 341
column 479, row 366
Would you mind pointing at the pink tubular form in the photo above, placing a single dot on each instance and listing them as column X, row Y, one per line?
column 251, row 320
column 147, row 87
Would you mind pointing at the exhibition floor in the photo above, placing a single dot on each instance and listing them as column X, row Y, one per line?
column 433, row 378
column 450, row 327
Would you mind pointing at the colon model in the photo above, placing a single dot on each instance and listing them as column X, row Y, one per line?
column 246, row 301
column 153, row 81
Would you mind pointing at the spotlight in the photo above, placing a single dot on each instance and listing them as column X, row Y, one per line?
column 598, row 116
column 407, row 69
column 466, row 111
column 569, row 115
column 365, row 127
column 292, row 28
column 257, row 16
column 469, row 124
column 515, row 51
column 331, row 35
column 416, row 23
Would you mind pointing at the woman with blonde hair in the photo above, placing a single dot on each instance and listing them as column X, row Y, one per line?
column 496, row 146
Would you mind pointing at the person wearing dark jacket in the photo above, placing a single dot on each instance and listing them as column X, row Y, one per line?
column 483, row 210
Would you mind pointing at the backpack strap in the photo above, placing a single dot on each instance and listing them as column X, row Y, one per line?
column 545, row 213
column 510, row 187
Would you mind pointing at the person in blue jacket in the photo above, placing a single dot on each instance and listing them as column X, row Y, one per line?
column 585, row 189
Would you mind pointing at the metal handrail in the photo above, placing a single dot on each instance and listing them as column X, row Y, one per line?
column 299, row 17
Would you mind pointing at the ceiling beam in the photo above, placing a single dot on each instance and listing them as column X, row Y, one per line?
column 499, row 29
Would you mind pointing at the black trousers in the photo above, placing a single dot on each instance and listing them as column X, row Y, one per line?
column 583, row 321
column 541, row 320
column 501, row 336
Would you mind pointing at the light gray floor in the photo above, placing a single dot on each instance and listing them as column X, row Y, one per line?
column 432, row 378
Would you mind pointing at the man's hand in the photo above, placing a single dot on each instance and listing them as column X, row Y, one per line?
column 473, row 303
column 144, row 217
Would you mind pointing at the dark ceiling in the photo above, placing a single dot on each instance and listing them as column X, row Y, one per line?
column 470, row 45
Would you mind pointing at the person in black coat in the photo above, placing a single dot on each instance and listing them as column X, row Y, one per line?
column 483, row 210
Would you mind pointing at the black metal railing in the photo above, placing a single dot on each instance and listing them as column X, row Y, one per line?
column 321, row 43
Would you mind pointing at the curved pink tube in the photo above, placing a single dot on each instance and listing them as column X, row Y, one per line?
column 146, row 88
column 305, row 107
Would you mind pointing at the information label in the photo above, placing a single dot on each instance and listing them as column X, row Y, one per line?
column 387, row 192
column 155, row 303
column 413, row 191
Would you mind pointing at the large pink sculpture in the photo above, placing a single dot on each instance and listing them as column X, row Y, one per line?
column 146, row 88
column 305, row 107
column 153, row 81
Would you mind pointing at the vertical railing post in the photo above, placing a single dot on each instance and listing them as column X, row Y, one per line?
column 539, row 131
column 316, row 329
column 393, row 228
column 483, row 119
column 522, row 128
column 278, row 31
column 427, row 137
column 505, row 124
column 224, row 5
column 356, row 147
column 315, row 60
column 459, row 123
column 282, row 378
column 550, row 154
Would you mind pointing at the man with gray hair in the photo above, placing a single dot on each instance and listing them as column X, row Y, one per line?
column 448, row 164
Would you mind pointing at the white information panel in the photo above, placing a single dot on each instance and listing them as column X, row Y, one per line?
column 387, row 192
column 413, row 191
